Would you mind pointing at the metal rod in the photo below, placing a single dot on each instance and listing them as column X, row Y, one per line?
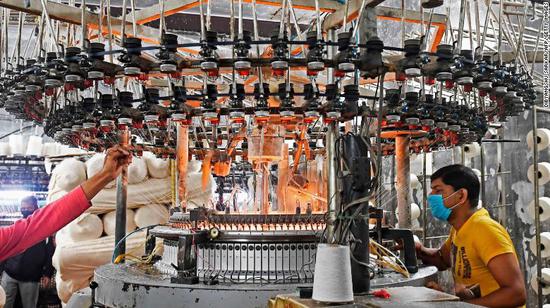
column 403, row 175
column 482, row 169
column 134, row 23
column 424, row 197
column 256, row 38
column 345, row 21
column 240, row 19
column 402, row 23
column 6, row 37
column 461, row 25
column 110, row 34
column 282, row 21
column 84, row 25
column 208, row 15
column 332, row 184
column 318, row 18
column 500, row 140
column 361, row 11
column 49, row 24
column 201, row 9
column 500, row 14
column 19, row 34
column 540, row 299
column 162, row 25
column 121, row 200
column 123, row 23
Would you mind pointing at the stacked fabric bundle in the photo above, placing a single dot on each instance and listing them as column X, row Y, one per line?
column 88, row 241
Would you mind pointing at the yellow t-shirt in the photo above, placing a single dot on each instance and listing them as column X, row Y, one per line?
column 478, row 241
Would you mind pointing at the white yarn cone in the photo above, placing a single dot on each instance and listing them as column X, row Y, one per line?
column 471, row 149
column 544, row 173
column 34, row 146
column 332, row 279
column 17, row 144
column 544, row 245
column 543, row 139
column 5, row 149
column 544, row 209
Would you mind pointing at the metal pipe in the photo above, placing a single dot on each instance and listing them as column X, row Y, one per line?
column 49, row 24
column 134, row 23
column 424, row 198
column 461, row 25
column 500, row 14
column 256, row 38
column 318, row 18
column 19, row 34
column 540, row 299
column 110, row 34
column 482, row 169
column 201, row 10
column 162, row 25
column 121, row 200
column 5, row 28
column 123, row 23
column 282, row 21
column 332, row 184
column 403, row 174
column 84, row 25
column 361, row 11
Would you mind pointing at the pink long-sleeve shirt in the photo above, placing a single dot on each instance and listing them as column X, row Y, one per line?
column 43, row 223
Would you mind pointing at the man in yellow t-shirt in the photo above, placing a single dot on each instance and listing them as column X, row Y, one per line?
column 479, row 250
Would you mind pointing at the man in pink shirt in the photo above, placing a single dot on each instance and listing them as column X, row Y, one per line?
column 49, row 219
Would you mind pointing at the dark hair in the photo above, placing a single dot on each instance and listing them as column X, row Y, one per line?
column 459, row 176
column 31, row 200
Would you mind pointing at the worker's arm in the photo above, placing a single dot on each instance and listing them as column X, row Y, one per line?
column 438, row 257
column 512, row 290
column 45, row 221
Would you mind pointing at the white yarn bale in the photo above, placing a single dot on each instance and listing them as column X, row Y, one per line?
column 34, row 146
column 69, row 174
column 94, row 165
column 85, row 227
column 17, row 144
column 137, row 171
column 151, row 214
column 157, row 168
column 55, row 195
column 49, row 149
column 5, row 149
column 2, row 297
column 109, row 222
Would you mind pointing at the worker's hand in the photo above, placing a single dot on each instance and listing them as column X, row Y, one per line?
column 434, row 286
column 117, row 158
column 465, row 293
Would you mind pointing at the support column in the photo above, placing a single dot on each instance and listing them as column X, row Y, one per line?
column 403, row 180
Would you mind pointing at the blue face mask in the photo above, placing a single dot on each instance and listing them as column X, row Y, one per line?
column 438, row 208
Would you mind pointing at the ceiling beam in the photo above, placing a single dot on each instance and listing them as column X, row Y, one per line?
column 336, row 19
column 171, row 7
column 71, row 14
